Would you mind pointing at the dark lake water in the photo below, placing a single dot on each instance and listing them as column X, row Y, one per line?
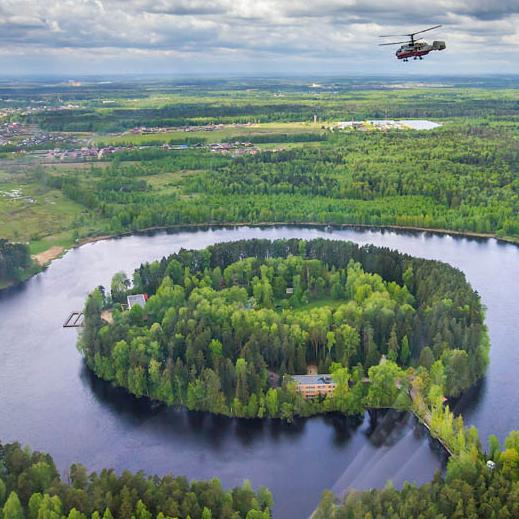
column 49, row 401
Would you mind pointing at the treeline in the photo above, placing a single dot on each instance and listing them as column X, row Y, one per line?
column 280, row 138
column 15, row 260
column 299, row 105
column 31, row 488
column 470, row 490
column 190, row 141
column 223, row 326
column 173, row 115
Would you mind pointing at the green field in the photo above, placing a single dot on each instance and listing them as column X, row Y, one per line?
column 44, row 217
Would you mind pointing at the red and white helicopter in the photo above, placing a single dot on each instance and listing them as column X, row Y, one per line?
column 415, row 48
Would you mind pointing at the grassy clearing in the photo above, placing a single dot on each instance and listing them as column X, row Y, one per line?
column 171, row 182
column 42, row 217
column 319, row 303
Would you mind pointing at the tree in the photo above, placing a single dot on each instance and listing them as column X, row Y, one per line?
column 384, row 380
column 457, row 372
column 3, row 491
column 341, row 377
column 141, row 512
column 426, row 358
column 392, row 345
column 242, row 391
column 271, row 401
column 13, row 508
column 119, row 286
column 404, row 351
column 326, row 508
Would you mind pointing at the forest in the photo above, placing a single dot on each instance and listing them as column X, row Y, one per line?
column 462, row 178
column 31, row 488
column 470, row 489
column 223, row 328
column 15, row 262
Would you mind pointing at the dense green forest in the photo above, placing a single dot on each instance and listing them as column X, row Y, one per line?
column 461, row 177
column 469, row 490
column 219, row 331
column 15, row 261
column 31, row 488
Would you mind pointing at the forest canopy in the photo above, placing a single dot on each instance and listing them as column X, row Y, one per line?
column 471, row 489
column 31, row 488
column 224, row 328
column 15, row 260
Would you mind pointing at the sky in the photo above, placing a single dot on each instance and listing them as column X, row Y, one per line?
column 252, row 37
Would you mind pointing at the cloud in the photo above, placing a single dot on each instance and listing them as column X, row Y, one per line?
column 340, row 34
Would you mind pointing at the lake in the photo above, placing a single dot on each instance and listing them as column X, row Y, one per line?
column 50, row 401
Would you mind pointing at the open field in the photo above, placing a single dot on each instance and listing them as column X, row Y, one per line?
column 42, row 216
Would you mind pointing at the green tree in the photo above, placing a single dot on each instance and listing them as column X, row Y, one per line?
column 13, row 508
column 384, row 382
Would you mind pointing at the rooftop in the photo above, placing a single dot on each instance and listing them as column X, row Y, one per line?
column 137, row 299
column 313, row 379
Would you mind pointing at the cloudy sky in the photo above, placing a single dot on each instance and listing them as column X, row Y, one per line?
column 73, row 37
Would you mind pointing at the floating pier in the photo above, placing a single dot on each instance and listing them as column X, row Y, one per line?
column 74, row 320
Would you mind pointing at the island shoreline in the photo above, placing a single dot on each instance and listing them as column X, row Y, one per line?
column 44, row 259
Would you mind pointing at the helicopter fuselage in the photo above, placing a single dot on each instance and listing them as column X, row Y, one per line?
column 418, row 49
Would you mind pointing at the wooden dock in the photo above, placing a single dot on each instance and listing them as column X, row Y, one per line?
column 74, row 320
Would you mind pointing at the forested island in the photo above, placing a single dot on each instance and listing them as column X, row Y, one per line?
column 31, row 488
column 224, row 329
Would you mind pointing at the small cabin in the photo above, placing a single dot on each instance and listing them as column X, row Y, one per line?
column 136, row 299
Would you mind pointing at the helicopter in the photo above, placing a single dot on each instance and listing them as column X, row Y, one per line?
column 415, row 48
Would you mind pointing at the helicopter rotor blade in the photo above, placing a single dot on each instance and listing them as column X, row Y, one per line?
column 410, row 34
column 393, row 43
column 425, row 30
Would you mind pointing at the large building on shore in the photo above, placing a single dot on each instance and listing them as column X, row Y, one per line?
column 311, row 386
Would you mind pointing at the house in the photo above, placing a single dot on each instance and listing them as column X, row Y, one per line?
column 311, row 386
column 136, row 299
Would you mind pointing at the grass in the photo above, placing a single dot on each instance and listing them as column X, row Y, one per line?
column 45, row 219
